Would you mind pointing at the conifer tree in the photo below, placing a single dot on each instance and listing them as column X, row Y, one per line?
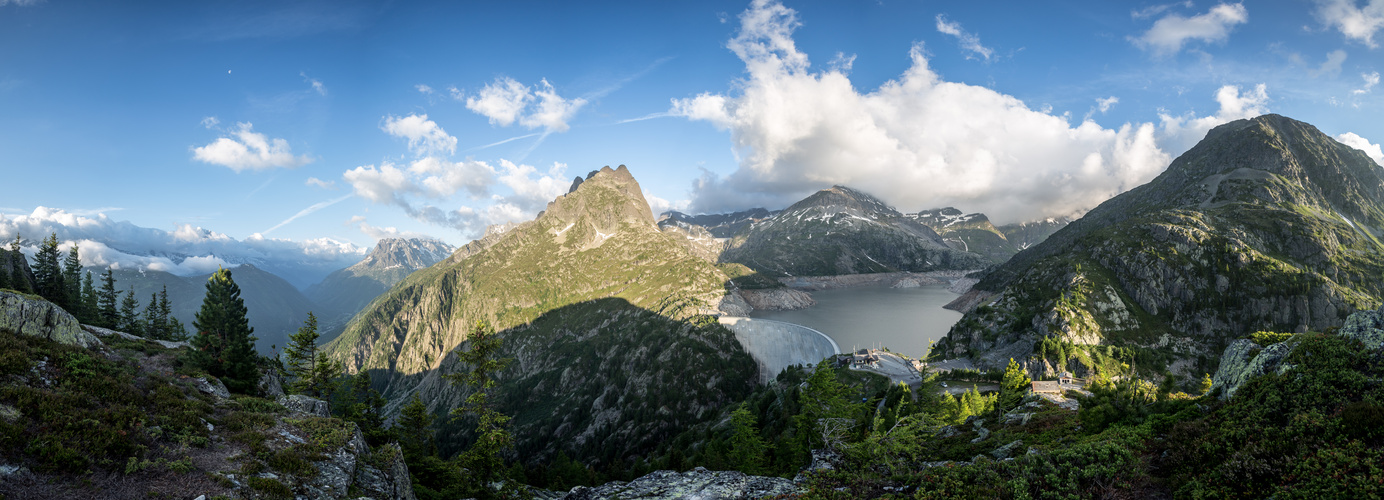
column 153, row 324
column 312, row 373
column 165, row 314
column 365, row 406
column 90, row 305
column 827, row 411
column 18, row 279
column 225, row 344
column 5, row 273
column 482, row 459
column 129, row 315
column 48, row 272
column 747, row 448
column 176, row 331
column 1205, row 386
column 72, row 281
column 414, row 429
column 1013, row 387
column 107, row 299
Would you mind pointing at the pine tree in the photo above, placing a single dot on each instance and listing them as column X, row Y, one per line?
column 5, row 272
column 312, row 373
column 827, row 414
column 18, row 279
column 48, row 273
column 90, row 305
column 225, row 344
column 129, row 315
column 1205, row 386
column 483, row 459
column 72, row 282
column 107, row 300
column 365, row 406
column 177, row 332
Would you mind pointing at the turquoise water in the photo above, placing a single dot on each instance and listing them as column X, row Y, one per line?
column 902, row 319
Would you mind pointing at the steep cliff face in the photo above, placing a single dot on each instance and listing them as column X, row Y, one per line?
column 843, row 231
column 967, row 232
column 1267, row 224
column 594, row 303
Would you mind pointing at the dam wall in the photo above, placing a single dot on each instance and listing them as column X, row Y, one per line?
column 776, row 345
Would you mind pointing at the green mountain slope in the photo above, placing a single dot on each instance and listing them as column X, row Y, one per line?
column 593, row 245
column 843, row 231
column 1267, row 224
column 967, row 232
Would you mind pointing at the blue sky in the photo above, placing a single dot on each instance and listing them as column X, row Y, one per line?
column 329, row 124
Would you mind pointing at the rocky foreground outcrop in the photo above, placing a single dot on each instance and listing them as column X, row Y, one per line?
column 697, row 483
column 1244, row 359
column 35, row 317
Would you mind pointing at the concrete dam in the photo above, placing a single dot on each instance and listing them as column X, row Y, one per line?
column 776, row 345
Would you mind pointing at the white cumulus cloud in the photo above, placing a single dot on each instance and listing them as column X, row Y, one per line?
column 246, row 149
column 1170, row 33
column 506, row 101
column 1355, row 141
column 1358, row 23
column 424, row 136
column 917, row 141
column 970, row 42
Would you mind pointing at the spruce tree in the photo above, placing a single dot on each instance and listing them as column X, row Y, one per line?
column 129, row 315
column 72, row 281
column 5, row 272
column 90, row 305
column 176, row 331
column 171, row 329
column 107, row 299
column 311, row 371
column 225, row 344
column 414, row 429
column 153, row 324
column 1013, row 387
column 19, row 280
column 48, row 272
column 483, row 459
column 747, row 448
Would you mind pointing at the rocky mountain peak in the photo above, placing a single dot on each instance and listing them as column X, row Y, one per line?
column 841, row 197
column 606, row 198
column 408, row 253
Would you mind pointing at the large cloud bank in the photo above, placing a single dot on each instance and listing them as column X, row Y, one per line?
column 919, row 141
column 185, row 251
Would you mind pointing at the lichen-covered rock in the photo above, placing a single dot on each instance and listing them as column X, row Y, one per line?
column 298, row 403
column 1243, row 360
column 337, row 473
column 213, row 387
column 271, row 384
column 106, row 332
column 697, row 483
column 36, row 317
column 1007, row 450
column 385, row 475
column 1367, row 327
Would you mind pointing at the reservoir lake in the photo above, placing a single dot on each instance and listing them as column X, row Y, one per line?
column 902, row 319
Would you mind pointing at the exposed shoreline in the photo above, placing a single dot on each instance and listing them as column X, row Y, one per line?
column 955, row 281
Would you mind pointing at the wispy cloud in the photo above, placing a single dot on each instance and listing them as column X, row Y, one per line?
column 1371, row 79
column 210, row 121
column 1357, row 23
column 313, row 181
column 650, row 116
column 306, row 211
column 316, row 84
column 511, row 139
column 970, row 42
